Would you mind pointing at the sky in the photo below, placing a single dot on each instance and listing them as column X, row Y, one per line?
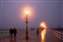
column 49, row 11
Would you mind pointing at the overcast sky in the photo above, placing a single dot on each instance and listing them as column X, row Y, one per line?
column 49, row 11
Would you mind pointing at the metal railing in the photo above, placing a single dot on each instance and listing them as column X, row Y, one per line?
column 59, row 34
column 4, row 33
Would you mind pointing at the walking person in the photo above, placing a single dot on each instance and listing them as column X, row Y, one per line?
column 11, row 34
column 14, row 33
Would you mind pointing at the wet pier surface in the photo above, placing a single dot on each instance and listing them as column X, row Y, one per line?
column 50, row 37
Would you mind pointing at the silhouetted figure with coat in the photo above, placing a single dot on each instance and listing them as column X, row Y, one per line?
column 13, row 32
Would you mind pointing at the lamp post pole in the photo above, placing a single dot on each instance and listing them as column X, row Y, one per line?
column 27, row 12
column 26, row 28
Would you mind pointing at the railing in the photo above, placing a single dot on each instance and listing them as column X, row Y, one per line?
column 59, row 34
column 4, row 33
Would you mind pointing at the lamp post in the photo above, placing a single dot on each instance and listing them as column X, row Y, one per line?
column 26, row 22
column 27, row 13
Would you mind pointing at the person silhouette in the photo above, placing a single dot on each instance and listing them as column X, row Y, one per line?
column 14, row 31
column 11, row 32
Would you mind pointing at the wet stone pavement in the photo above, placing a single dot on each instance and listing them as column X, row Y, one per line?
column 50, row 37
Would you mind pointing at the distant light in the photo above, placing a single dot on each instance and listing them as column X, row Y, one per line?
column 43, row 32
column 43, row 25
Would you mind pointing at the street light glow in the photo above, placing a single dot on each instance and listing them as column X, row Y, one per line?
column 27, row 11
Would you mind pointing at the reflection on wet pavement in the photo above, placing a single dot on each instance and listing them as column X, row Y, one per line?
column 50, row 37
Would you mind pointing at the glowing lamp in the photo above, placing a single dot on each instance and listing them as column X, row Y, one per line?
column 43, row 25
column 27, row 11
